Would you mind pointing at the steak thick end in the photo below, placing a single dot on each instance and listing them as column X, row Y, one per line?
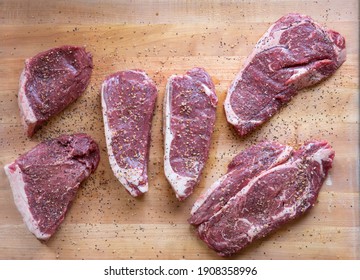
column 51, row 81
column 44, row 181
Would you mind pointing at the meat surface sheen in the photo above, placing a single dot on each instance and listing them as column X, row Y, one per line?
column 246, row 165
column 278, row 194
column 128, row 104
column 44, row 181
column 294, row 53
column 51, row 81
column 189, row 118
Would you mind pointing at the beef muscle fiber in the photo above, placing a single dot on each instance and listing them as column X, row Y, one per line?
column 189, row 118
column 128, row 104
column 294, row 53
column 44, row 181
column 51, row 81
column 262, row 200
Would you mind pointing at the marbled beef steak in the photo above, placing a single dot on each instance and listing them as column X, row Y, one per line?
column 294, row 53
column 246, row 165
column 189, row 118
column 274, row 192
column 44, row 181
column 50, row 81
column 128, row 103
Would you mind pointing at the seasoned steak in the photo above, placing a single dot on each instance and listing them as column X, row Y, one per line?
column 128, row 104
column 51, row 81
column 275, row 196
column 189, row 118
column 294, row 53
column 241, row 170
column 44, row 181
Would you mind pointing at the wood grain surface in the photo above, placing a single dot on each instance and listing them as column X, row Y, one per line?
column 163, row 38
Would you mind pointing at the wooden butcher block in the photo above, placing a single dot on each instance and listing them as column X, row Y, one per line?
column 164, row 38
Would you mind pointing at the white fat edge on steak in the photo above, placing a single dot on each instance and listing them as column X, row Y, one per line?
column 18, row 189
column 177, row 181
column 253, row 230
column 28, row 117
column 284, row 155
column 305, row 76
column 323, row 154
column 269, row 39
column 200, row 201
column 302, row 74
column 125, row 176
column 146, row 78
column 319, row 156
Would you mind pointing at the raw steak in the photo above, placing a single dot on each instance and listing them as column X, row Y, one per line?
column 294, row 53
column 270, row 199
column 128, row 103
column 44, row 181
column 50, row 81
column 241, row 170
column 189, row 117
